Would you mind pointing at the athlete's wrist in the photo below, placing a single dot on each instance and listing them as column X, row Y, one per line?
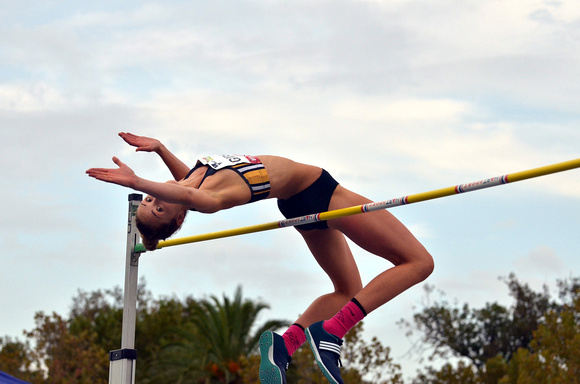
column 160, row 149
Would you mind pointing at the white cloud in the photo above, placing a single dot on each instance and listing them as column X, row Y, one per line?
column 542, row 260
column 401, row 112
column 36, row 97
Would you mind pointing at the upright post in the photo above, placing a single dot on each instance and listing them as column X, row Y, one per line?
column 122, row 361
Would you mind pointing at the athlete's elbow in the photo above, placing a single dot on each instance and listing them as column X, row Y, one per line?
column 208, row 205
column 208, row 209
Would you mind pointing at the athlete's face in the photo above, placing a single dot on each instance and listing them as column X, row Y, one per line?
column 154, row 211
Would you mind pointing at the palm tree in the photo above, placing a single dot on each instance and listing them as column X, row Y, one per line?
column 222, row 332
column 229, row 331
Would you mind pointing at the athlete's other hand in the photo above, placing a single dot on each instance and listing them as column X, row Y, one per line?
column 144, row 144
column 122, row 176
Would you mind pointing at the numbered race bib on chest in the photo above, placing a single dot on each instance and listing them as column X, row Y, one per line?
column 218, row 162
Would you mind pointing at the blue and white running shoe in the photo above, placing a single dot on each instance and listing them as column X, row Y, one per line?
column 326, row 349
column 275, row 359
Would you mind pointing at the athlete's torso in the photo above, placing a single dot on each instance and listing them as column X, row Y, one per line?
column 286, row 176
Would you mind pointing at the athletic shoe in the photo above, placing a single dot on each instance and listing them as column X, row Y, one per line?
column 326, row 349
column 275, row 359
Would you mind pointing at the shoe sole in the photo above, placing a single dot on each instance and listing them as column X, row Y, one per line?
column 321, row 365
column 269, row 371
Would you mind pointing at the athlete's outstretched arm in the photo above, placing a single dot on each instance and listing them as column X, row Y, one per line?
column 146, row 144
column 171, row 192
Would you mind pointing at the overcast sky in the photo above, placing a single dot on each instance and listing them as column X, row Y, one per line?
column 392, row 97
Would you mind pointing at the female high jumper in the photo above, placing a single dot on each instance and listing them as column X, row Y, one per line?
column 225, row 181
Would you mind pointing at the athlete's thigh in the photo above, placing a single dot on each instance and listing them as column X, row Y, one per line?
column 377, row 232
column 331, row 251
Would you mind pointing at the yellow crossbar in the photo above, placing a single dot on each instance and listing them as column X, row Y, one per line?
column 435, row 194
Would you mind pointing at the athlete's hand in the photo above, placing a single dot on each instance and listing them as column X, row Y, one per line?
column 122, row 176
column 145, row 144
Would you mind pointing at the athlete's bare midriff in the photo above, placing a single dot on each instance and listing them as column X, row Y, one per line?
column 288, row 177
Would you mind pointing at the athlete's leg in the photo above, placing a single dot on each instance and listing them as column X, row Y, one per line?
column 333, row 254
column 331, row 250
column 382, row 234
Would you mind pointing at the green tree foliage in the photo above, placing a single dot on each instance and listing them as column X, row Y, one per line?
column 167, row 322
column 213, row 345
column 554, row 353
column 16, row 360
column 189, row 341
column 70, row 357
column 227, row 331
column 463, row 373
column 480, row 334
column 537, row 340
column 371, row 360
column 214, row 340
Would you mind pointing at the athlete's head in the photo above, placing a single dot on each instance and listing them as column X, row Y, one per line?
column 158, row 220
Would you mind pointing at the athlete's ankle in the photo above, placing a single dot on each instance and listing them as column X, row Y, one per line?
column 294, row 337
column 345, row 319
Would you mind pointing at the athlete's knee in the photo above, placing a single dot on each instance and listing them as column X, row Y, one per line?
column 425, row 266
column 421, row 264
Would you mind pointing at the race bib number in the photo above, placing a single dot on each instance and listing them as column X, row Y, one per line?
column 222, row 161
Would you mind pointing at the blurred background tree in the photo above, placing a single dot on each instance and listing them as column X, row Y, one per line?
column 214, row 340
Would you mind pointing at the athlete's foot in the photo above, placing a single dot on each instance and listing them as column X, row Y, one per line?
column 326, row 349
column 275, row 359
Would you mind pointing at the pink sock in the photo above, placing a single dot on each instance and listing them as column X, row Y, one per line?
column 345, row 319
column 294, row 337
